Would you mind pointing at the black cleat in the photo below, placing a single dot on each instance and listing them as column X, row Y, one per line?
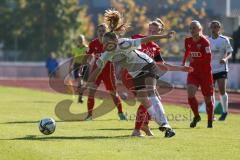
column 164, row 127
column 169, row 133
column 80, row 99
column 195, row 121
column 223, row 117
column 209, row 124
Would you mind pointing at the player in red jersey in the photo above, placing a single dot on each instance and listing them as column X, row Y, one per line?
column 197, row 50
column 153, row 50
column 107, row 75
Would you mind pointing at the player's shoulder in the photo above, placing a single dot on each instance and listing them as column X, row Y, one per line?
column 138, row 36
column 94, row 41
column 205, row 40
column 188, row 39
column 223, row 37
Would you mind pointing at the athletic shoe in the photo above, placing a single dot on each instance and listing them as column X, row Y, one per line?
column 147, row 130
column 164, row 127
column 122, row 116
column 223, row 116
column 80, row 99
column 195, row 121
column 209, row 124
column 169, row 133
column 137, row 133
column 88, row 118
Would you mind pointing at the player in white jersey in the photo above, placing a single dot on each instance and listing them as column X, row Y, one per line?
column 221, row 52
column 142, row 68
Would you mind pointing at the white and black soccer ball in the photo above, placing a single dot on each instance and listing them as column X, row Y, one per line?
column 47, row 126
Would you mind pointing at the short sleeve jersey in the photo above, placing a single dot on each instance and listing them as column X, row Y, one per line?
column 219, row 47
column 78, row 53
column 127, row 55
column 200, row 54
column 151, row 48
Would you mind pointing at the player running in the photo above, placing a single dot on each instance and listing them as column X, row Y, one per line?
column 107, row 75
column 221, row 52
column 197, row 50
column 141, row 67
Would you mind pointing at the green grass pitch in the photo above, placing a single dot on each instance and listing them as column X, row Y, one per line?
column 105, row 137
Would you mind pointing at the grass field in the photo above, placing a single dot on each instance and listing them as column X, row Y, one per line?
column 106, row 137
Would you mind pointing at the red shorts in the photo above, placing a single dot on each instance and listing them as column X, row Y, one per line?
column 108, row 77
column 205, row 81
column 127, row 80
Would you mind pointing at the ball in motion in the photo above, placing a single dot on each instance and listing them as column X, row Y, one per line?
column 47, row 126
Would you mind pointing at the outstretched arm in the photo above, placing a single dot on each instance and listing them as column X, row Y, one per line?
column 157, row 37
column 170, row 67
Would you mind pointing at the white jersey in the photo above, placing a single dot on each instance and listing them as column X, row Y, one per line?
column 219, row 47
column 127, row 55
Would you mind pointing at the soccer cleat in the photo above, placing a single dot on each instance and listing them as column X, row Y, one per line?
column 164, row 127
column 223, row 117
column 195, row 121
column 88, row 118
column 137, row 133
column 147, row 130
column 209, row 124
column 122, row 116
column 80, row 99
column 169, row 133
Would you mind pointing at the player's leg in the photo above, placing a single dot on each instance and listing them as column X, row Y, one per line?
column 91, row 99
column 83, row 78
column 192, row 101
column 207, row 91
column 109, row 81
column 156, row 109
column 222, row 84
column 80, row 84
column 141, row 122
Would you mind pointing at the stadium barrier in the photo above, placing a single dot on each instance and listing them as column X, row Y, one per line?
column 38, row 70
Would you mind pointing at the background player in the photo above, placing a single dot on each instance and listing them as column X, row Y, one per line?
column 221, row 53
column 107, row 75
column 197, row 49
column 76, row 65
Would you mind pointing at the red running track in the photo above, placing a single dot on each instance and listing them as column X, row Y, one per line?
column 175, row 96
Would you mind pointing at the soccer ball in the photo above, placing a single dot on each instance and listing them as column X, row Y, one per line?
column 47, row 126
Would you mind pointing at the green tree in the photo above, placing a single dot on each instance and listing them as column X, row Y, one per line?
column 37, row 27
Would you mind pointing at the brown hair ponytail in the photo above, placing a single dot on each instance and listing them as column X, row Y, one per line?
column 115, row 21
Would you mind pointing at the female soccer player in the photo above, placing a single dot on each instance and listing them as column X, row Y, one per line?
column 197, row 49
column 140, row 66
column 107, row 75
column 76, row 63
column 221, row 52
column 152, row 50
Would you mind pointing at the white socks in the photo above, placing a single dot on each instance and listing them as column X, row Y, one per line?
column 157, row 112
column 213, row 99
column 224, row 102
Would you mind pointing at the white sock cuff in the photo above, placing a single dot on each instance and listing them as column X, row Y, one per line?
column 151, row 110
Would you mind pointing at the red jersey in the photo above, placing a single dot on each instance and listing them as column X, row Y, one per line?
column 96, row 48
column 150, row 48
column 200, row 54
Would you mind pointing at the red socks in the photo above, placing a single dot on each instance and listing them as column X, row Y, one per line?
column 118, row 103
column 142, row 117
column 194, row 105
column 90, row 105
column 209, row 109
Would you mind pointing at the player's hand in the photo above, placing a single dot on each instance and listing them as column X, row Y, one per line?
column 223, row 61
column 171, row 34
column 187, row 69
